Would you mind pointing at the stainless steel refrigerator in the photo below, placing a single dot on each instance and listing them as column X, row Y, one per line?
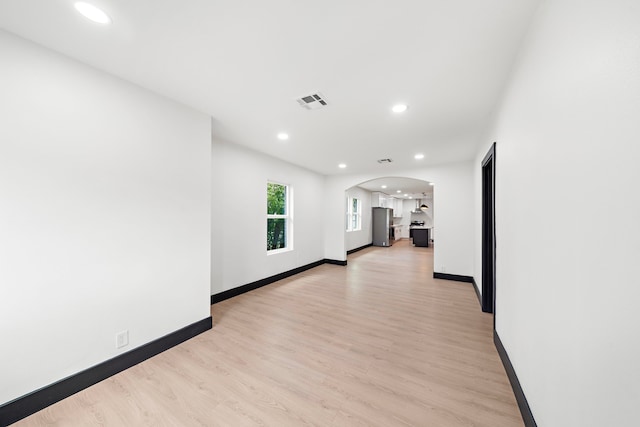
column 382, row 224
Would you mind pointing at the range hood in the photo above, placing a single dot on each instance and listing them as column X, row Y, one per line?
column 420, row 207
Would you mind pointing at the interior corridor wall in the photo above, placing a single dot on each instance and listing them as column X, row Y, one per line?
column 567, row 135
column 362, row 237
column 104, row 216
column 239, row 219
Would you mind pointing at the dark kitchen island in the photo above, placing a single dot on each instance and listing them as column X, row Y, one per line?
column 420, row 236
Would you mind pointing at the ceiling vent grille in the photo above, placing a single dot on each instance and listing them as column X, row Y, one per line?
column 313, row 101
column 385, row 161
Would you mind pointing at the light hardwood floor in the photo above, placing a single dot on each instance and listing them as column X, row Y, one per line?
column 376, row 343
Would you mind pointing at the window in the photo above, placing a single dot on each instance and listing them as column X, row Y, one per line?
column 278, row 217
column 354, row 214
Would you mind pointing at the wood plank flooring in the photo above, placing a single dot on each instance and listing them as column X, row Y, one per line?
column 376, row 343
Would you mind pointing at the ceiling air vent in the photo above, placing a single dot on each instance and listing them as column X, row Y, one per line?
column 385, row 161
column 313, row 101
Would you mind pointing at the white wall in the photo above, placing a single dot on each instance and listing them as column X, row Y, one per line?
column 455, row 222
column 239, row 228
column 104, row 216
column 357, row 239
column 567, row 294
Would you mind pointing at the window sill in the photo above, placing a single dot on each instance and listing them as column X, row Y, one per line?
column 278, row 251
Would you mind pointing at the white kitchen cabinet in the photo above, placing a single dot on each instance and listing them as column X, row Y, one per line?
column 389, row 202
column 375, row 200
column 398, row 205
column 379, row 200
column 382, row 200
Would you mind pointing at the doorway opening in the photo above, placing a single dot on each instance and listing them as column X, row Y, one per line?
column 489, row 231
column 405, row 203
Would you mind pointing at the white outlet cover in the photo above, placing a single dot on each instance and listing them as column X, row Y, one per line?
column 122, row 339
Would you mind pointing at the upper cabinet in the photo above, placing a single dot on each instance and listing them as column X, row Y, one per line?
column 381, row 200
column 378, row 200
column 397, row 208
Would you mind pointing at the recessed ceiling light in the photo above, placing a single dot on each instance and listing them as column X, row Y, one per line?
column 92, row 13
column 399, row 191
column 399, row 108
column 383, row 186
column 410, row 197
column 283, row 136
column 406, row 195
column 419, row 156
column 342, row 165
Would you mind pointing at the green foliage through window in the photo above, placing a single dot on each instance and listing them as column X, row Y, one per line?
column 276, row 199
column 354, row 216
column 276, row 233
column 277, row 216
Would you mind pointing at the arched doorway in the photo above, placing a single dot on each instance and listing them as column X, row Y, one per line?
column 453, row 252
column 410, row 203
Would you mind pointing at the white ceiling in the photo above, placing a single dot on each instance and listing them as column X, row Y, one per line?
column 244, row 62
column 413, row 188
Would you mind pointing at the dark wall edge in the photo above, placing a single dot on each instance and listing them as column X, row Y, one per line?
column 35, row 401
column 527, row 416
column 359, row 249
column 459, row 278
column 455, row 277
column 230, row 293
column 334, row 261
column 475, row 288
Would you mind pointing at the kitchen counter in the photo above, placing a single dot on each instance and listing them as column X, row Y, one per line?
column 397, row 231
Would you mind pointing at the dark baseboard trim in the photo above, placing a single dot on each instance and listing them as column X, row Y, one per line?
column 455, row 277
column 335, row 261
column 219, row 297
column 458, row 278
column 35, row 401
column 358, row 249
column 527, row 416
column 260, row 283
column 475, row 288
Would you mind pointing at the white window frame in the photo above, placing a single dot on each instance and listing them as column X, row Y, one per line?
column 351, row 214
column 288, row 217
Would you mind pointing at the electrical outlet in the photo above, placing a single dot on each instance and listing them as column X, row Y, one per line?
column 122, row 339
